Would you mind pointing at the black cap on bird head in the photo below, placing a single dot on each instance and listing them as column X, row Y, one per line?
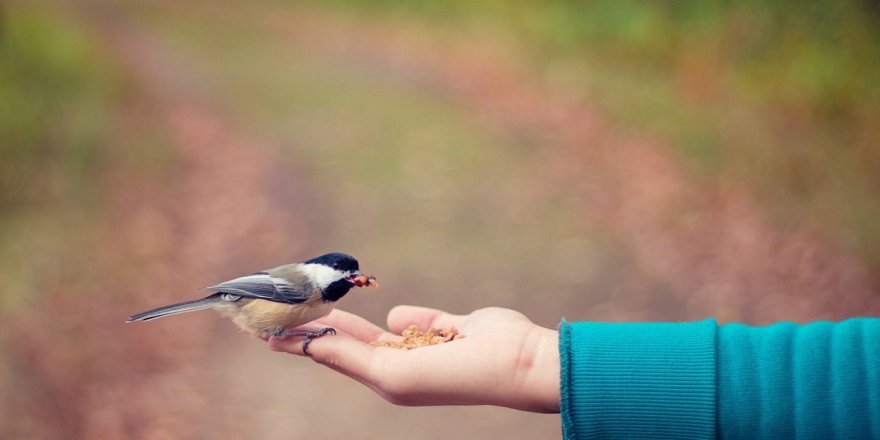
column 342, row 263
column 336, row 260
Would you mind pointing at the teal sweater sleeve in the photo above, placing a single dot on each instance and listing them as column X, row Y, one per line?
column 697, row 380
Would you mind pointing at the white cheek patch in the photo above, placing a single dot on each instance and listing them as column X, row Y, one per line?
column 321, row 274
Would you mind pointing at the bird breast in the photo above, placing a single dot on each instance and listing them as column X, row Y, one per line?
column 259, row 316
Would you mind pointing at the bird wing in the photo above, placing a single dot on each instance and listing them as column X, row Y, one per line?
column 264, row 286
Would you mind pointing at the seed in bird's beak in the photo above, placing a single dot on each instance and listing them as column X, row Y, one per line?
column 365, row 281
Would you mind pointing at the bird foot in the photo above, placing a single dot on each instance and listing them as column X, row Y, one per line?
column 309, row 335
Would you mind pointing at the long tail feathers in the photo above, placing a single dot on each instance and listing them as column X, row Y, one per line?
column 173, row 309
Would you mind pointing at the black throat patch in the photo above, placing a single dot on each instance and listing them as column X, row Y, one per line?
column 336, row 290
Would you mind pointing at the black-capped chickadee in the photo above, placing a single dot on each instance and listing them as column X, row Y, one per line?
column 270, row 302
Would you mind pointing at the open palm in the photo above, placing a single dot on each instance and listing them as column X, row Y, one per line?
column 504, row 359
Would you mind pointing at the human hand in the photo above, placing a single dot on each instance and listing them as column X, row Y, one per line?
column 504, row 359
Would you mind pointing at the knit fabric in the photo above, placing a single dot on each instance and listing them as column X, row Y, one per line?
column 814, row 381
column 696, row 380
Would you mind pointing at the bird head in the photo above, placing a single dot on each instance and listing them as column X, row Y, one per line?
column 333, row 273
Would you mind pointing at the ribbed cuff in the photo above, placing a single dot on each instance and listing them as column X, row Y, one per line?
column 638, row 380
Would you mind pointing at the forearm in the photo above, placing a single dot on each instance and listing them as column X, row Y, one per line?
column 820, row 380
column 693, row 380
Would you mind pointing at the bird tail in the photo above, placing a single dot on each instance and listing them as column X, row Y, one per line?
column 173, row 309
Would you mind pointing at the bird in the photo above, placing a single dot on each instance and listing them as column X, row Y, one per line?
column 271, row 302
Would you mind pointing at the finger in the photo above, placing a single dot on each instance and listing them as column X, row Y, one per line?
column 341, row 351
column 401, row 317
column 352, row 324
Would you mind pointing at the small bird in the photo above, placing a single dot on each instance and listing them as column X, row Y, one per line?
column 270, row 302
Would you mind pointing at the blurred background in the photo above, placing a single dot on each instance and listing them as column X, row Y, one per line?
column 593, row 160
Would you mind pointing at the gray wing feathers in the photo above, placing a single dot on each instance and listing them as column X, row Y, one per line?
column 262, row 285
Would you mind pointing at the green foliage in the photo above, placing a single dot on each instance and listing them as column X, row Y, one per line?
column 822, row 55
column 53, row 108
column 55, row 94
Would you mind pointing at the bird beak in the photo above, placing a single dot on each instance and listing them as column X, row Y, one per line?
column 354, row 274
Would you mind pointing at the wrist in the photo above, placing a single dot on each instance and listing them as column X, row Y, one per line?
column 541, row 372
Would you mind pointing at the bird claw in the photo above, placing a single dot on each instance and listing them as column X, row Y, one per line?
column 309, row 335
